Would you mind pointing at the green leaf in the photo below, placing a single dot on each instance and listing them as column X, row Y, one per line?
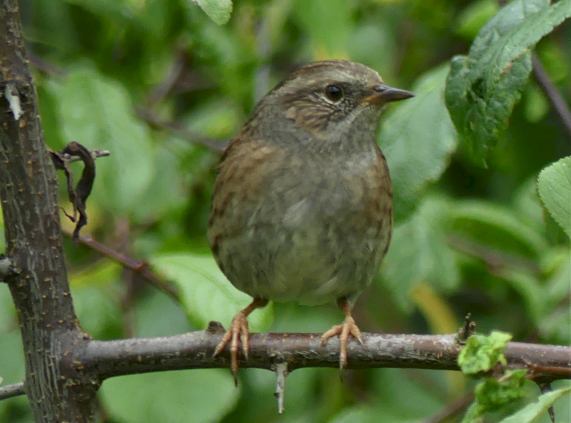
column 554, row 186
column 483, row 87
column 496, row 227
column 419, row 253
column 206, row 293
column 418, row 139
column 156, row 315
column 481, row 352
column 97, row 112
column 392, row 388
column 492, row 393
column 534, row 410
column 206, row 395
column 217, row 10
column 473, row 414
column 530, row 289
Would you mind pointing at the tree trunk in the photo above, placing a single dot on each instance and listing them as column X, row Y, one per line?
column 39, row 283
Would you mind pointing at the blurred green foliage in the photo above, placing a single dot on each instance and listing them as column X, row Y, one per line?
column 154, row 80
column 483, row 87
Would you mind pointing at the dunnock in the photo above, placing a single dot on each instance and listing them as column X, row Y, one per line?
column 302, row 207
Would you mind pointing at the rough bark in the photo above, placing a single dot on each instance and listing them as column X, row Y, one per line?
column 39, row 287
column 194, row 350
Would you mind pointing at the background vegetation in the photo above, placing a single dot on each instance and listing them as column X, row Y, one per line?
column 162, row 86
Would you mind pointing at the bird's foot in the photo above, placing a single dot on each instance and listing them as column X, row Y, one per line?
column 236, row 335
column 343, row 331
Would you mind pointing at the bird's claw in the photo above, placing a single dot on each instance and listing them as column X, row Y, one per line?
column 343, row 331
column 237, row 334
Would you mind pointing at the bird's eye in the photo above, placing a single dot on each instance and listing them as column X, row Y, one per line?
column 333, row 92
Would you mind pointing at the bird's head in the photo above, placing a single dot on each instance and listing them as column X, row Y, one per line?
column 331, row 97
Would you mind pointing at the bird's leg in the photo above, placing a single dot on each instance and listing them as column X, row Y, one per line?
column 343, row 331
column 239, row 333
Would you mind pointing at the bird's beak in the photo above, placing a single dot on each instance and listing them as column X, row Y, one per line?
column 383, row 93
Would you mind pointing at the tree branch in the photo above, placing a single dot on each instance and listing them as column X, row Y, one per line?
column 13, row 390
column 555, row 98
column 137, row 266
column 194, row 350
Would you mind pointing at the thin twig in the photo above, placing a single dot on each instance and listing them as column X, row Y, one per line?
column 281, row 373
column 555, row 98
column 44, row 66
column 138, row 266
column 212, row 144
column 536, row 371
column 494, row 259
column 173, row 75
column 94, row 153
column 466, row 330
column 452, row 409
column 13, row 390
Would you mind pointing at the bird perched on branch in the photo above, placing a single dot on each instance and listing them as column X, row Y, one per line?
column 302, row 206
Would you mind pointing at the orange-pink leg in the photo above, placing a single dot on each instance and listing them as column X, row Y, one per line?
column 238, row 333
column 343, row 331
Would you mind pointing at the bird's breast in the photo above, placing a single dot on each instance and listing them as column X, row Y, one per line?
column 301, row 227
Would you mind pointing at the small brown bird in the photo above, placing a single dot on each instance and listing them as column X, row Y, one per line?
column 302, row 206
